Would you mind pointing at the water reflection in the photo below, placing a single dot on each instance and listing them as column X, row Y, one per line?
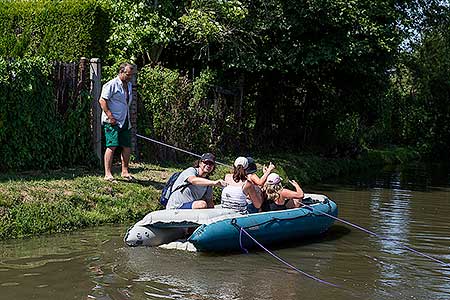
column 391, row 208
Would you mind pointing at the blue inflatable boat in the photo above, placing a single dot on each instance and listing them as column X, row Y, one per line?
column 220, row 230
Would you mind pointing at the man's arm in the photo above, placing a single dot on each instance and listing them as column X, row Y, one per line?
column 195, row 180
column 105, row 108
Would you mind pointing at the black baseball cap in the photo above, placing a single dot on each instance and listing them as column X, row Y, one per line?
column 251, row 166
column 208, row 157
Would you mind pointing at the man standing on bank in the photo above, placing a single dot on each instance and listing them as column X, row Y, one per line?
column 115, row 102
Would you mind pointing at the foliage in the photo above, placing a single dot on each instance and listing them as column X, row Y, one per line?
column 326, row 75
column 305, row 65
column 207, row 22
column 140, row 30
column 421, row 83
column 181, row 112
column 429, row 115
column 58, row 30
column 33, row 133
column 316, row 75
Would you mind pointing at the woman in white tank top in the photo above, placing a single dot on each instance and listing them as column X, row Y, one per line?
column 240, row 192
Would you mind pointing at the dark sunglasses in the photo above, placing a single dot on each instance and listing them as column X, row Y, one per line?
column 207, row 162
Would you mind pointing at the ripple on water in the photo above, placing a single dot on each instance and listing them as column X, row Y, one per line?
column 5, row 284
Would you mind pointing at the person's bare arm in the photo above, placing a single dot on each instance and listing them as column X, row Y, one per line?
column 195, row 180
column 254, row 196
column 105, row 108
column 260, row 181
column 297, row 194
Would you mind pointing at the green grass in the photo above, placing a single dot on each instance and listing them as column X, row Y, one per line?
column 33, row 203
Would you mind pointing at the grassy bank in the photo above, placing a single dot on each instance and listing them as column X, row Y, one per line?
column 34, row 203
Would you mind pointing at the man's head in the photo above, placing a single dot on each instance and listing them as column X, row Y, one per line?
column 207, row 163
column 126, row 72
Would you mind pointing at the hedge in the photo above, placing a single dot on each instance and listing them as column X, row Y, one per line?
column 62, row 30
column 33, row 133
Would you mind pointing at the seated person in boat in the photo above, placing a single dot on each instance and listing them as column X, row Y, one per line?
column 258, row 182
column 193, row 189
column 251, row 172
column 240, row 194
column 279, row 198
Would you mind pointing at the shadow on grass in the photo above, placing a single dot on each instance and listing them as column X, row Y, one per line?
column 83, row 171
column 48, row 175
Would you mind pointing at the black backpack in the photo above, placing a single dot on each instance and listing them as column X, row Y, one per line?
column 168, row 188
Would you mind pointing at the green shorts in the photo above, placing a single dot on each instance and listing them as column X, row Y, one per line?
column 115, row 136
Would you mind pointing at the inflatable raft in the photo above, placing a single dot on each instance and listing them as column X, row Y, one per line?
column 219, row 230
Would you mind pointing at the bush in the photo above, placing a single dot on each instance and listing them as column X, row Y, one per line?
column 33, row 134
column 176, row 110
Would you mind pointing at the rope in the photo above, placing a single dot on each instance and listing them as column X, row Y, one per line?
column 176, row 148
column 380, row 237
column 240, row 240
column 242, row 230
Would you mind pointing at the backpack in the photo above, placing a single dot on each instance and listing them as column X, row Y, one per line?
column 168, row 188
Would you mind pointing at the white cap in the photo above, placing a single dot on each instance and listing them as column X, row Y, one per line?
column 241, row 161
column 274, row 178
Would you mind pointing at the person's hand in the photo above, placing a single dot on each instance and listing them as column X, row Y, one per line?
column 269, row 168
column 220, row 183
column 294, row 183
column 112, row 121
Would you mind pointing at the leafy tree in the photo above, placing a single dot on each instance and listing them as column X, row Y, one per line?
column 140, row 29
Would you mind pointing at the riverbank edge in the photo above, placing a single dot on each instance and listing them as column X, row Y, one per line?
column 35, row 203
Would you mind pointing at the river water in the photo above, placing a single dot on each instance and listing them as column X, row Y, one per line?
column 410, row 206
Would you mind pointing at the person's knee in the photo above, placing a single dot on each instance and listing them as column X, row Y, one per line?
column 200, row 204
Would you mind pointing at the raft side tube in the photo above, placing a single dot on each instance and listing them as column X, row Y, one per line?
column 152, row 236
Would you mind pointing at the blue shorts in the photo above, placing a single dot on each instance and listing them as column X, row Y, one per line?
column 251, row 209
column 187, row 205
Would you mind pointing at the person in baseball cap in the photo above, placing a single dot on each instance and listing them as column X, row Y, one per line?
column 241, row 161
column 193, row 188
column 240, row 194
column 279, row 197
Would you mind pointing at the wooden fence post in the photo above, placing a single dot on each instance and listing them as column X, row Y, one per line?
column 96, row 112
column 133, row 113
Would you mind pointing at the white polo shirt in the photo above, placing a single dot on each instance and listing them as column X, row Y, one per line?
column 115, row 96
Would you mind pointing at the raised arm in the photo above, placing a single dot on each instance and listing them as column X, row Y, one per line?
column 297, row 194
column 260, row 181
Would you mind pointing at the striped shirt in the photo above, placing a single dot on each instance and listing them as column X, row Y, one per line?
column 233, row 197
